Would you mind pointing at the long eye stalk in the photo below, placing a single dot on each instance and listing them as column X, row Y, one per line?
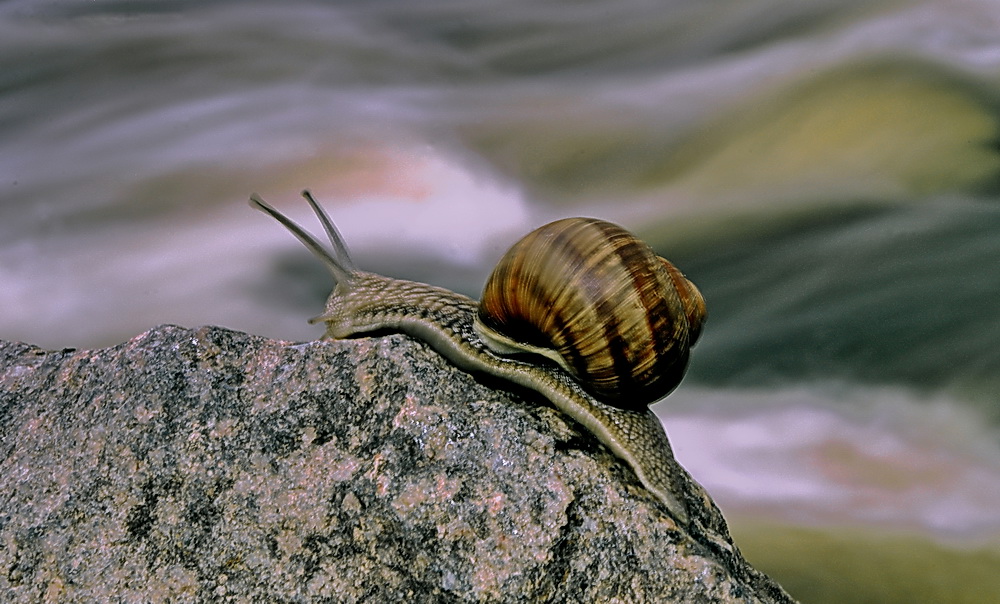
column 339, row 261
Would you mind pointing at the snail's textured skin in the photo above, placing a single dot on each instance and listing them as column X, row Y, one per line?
column 364, row 302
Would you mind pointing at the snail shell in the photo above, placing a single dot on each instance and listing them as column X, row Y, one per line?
column 598, row 301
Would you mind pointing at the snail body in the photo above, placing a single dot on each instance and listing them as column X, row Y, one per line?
column 659, row 318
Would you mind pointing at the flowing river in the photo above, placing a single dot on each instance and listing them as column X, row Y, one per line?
column 827, row 172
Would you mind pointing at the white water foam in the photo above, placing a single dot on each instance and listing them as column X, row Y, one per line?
column 877, row 457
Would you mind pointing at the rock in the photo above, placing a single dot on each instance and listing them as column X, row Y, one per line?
column 212, row 465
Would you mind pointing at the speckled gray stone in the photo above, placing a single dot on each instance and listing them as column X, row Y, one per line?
column 212, row 465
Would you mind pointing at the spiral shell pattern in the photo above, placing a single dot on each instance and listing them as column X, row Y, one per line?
column 597, row 300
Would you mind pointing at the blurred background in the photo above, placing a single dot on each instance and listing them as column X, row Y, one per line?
column 825, row 171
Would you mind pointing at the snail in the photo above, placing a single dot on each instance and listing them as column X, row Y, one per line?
column 616, row 320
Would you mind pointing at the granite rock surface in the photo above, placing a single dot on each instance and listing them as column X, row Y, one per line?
column 192, row 465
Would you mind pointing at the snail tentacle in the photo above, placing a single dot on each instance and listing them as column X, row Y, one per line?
column 338, row 262
column 340, row 251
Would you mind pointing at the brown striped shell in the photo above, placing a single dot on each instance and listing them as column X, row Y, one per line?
column 597, row 300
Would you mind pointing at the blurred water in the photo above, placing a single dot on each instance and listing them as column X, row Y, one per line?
column 826, row 172
column 903, row 295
